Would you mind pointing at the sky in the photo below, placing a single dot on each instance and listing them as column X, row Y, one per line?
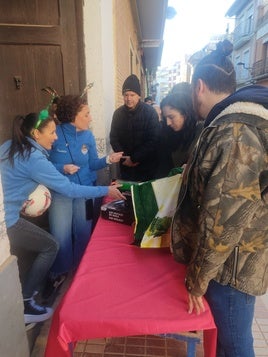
column 190, row 30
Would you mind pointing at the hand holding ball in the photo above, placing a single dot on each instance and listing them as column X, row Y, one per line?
column 37, row 203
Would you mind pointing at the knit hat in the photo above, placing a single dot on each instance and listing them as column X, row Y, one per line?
column 132, row 84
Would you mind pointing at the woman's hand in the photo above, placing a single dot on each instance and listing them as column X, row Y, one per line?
column 115, row 193
column 115, row 157
column 128, row 162
column 70, row 169
column 195, row 303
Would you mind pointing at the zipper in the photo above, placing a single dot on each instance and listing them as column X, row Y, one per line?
column 187, row 177
column 234, row 272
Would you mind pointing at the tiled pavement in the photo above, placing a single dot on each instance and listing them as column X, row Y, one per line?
column 154, row 346
column 260, row 326
column 136, row 346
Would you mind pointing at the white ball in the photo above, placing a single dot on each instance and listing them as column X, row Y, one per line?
column 37, row 203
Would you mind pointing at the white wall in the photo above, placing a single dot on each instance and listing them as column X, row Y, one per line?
column 98, row 32
column 4, row 242
column 13, row 339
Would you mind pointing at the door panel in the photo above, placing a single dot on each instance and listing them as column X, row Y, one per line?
column 36, row 67
column 29, row 12
column 39, row 46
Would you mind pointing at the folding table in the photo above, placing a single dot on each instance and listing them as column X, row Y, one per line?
column 120, row 289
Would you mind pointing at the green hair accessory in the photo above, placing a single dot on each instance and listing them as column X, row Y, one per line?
column 43, row 115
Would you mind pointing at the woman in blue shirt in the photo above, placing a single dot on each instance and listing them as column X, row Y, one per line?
column 24, row 165
column 74, row 154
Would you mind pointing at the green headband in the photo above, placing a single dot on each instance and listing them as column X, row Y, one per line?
column 43, row 115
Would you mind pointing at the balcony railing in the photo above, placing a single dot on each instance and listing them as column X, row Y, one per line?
column 260, row 68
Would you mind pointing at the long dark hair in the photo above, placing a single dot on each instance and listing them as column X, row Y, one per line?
column 217, row 70
column 182, row 102
column 21, row 129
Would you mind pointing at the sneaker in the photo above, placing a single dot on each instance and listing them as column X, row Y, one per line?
column 34, row 312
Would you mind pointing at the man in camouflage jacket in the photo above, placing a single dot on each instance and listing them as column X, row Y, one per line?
column 220, row 228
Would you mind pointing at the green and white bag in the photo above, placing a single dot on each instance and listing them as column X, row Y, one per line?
column 154, row 203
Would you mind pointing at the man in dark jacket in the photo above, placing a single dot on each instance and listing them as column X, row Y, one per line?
column 135, row 130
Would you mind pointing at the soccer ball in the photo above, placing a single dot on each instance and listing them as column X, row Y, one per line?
column 37, row 203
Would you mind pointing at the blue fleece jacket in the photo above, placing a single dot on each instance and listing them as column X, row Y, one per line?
column 23, row 178
column 78, row 148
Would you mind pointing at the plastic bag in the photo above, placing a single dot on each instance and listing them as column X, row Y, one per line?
column 154, row 203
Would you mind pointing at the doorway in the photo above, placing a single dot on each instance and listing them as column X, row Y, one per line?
column 41, row 44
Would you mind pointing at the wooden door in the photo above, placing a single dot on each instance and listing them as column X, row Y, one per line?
column 40, row 45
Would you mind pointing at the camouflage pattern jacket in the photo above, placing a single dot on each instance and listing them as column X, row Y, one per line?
column 220, row 228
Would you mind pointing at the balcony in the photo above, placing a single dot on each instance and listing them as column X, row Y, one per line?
column 260, row 69
column 262, row 20
column 237, row 7
column 150, row 29
column 243, row 33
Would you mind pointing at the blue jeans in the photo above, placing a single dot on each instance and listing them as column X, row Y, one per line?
column 233, row 313
column 24, row 238
column 69, row 226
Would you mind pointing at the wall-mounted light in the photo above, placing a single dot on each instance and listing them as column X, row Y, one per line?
column 244, row 66
column 249, row 69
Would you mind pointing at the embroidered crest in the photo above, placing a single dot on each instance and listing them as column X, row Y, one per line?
column 84, row 149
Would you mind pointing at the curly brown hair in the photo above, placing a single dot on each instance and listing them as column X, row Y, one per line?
column 68, row 107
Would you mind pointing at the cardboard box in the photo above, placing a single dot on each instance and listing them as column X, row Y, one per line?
column 120, row 211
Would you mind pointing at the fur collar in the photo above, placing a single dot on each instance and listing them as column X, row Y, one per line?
column 246, row 108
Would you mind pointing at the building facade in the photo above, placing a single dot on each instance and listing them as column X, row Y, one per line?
column 250, row 39
column 167, row 77
column 66, row 44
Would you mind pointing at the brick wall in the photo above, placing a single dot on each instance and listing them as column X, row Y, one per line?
column 125, row 40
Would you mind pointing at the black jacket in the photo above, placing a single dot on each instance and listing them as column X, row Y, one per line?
column 136, row 133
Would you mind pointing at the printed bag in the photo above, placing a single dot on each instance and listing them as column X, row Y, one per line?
column 154, row 203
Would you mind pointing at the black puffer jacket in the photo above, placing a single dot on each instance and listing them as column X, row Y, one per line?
column 136, row 133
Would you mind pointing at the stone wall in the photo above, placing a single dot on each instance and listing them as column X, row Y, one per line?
column 13, row 339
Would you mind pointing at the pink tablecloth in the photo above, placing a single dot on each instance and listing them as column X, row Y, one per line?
column 123, row 290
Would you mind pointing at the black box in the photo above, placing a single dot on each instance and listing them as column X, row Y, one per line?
column 119, row 211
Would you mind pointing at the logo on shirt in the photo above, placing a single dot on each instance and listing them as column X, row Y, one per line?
column 84, row 149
